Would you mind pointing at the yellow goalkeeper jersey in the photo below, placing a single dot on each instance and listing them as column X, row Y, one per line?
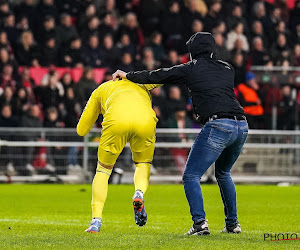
column 127, row 110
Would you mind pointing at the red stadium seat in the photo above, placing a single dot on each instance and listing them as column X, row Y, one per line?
column 37, row 74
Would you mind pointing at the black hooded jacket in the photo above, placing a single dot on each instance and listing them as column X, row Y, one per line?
column 210, row 82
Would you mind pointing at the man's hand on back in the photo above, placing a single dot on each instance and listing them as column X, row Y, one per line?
column 119, row 74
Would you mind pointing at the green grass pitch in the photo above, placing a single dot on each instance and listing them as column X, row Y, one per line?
column 55, row 217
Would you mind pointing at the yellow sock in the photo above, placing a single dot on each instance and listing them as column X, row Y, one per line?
column 141, row 176
column 100, row 186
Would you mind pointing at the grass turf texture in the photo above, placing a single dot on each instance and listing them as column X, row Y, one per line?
column 55, row 216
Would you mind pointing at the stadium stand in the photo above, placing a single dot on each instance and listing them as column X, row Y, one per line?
column 54, row 53
column 43, row 43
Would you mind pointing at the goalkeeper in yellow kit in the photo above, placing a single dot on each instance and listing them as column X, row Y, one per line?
column 128, row 117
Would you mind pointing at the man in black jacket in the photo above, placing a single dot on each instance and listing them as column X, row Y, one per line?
column 211, row 86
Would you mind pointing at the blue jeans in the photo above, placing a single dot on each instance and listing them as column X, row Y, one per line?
column 72, row 155
column 219, row 141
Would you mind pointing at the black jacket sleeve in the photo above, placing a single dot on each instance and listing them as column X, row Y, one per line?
column 176, row 75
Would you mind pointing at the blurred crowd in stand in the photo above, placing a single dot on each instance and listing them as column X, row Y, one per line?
column 137, row 35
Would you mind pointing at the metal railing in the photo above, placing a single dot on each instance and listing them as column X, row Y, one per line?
column 45, row 151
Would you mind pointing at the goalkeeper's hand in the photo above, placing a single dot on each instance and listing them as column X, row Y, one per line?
column 119, row 74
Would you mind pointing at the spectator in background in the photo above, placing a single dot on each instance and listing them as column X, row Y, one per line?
column 125, row 45
column 52, row 118
column 107, row 76
column 71, row 56
column 85, row 86
column 199, row 6
column 192, row 16
column 49, row 95
column 22, row 25
column 282, row 4
column 20, row 104
column 26, row 51
column 92, row 28
column 173, row 26
column 31, row 119
column 248, row 96
column 160, row 107
column 175, row 99
column 237, row 34
column 54, row 154
column 296, row 55
column 212, row 18
column 28, row 83
column 181, row 121
column 107, row 26
column 8, row 154
column 296, row 34
column 67, row 81
column 72, row 109
column 172, row 59
column 259, row 13
column 47, row 30
column 197, row 26
column 89, row 12
column 221, row 51
column 110, row 6
column 49, row 53
column 258, row 31
column 91, row 54
column 26, row 9
column 238, row 48
column 280, row 50
column 5, row 58
column 111, row 54
column 4, row 43
column 149, row 61
column 280, row 28
column 287, row 105
column 220, row 28
column 126, row 63
column 259, row 55
column 131, row 27
column 237, row 17
column 4, row 10
column 65, row 31
column 272, row 19
column 6, row 97
column 10, row 28
column 156, row 46
column 7, row 77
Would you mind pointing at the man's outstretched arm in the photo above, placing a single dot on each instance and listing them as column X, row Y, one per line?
column 174, row 75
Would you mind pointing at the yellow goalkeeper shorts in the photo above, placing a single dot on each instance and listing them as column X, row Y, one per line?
column 138, row 131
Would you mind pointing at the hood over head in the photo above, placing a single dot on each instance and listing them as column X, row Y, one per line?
column 202, row 44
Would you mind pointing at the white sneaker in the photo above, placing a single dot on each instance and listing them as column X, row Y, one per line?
column 71, row 167
column 235, row 229
column 77, row 167
column 30, row 169
column 50, row 168
column 153, row 170
column 10, row 169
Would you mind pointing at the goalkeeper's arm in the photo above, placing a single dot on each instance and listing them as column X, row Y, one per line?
column 89, row 115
